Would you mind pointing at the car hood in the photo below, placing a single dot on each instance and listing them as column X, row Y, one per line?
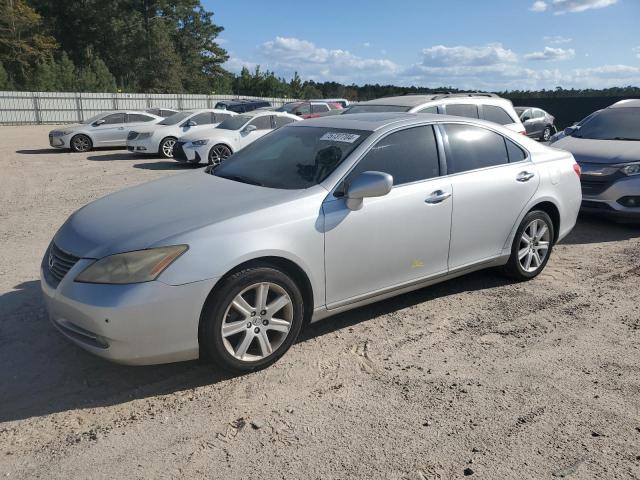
column 600, row 151
column 143, row 216
column 73, row 126
column 208, row 133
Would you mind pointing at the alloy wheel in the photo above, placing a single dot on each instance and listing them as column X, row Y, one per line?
column 81, row 143
column 546, row 135
column 218, row 154
column 257, row 321
column 167, row 147
column 534, row 245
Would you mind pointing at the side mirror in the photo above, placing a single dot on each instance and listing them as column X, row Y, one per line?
column 569, row 130
column 249, row 129
column 525, row 119
column 97, row 123
column 367, row 184
column 190, row 123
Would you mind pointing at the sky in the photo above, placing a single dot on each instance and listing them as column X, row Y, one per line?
column 485, row 45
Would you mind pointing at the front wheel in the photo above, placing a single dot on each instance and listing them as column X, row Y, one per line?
column 252, row 319
column 166, row 147
column 81, row 143
column 531, row 246
column 218, row 154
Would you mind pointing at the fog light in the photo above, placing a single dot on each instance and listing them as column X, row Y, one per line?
column 630, row 202
column 141, row 149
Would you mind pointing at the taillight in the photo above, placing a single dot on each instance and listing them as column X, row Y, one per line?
column 577, row 169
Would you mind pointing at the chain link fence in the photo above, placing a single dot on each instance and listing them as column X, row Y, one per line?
column 23, row 108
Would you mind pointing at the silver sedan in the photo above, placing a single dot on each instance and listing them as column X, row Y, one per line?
column 316, row 218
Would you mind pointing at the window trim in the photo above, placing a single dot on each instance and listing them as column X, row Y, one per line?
column 445, row 141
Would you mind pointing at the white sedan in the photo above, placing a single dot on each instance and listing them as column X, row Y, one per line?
column 161, row 137
column 214, row 145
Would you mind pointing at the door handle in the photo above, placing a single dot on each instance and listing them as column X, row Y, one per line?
column 525, row 176
column 437, row 197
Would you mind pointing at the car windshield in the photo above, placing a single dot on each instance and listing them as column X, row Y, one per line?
column 175, row 118
column 292, row 157
column 376, row 108
column 612, row 124
column 234, row 122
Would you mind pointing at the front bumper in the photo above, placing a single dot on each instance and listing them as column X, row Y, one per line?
column 148, row 146
column 186, row 152
column 60, row 141
column 137, row 324
column 602, row 198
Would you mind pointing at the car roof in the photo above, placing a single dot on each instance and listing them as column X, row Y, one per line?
column 262, row 113
column 628, row 103
column 241, row 101
column 415, row 100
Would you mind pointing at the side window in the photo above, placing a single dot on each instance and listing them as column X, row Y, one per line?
column 220, row 117
column 462, row 110
column 538, row 113
column 470, row 147
column 303, row 109
column 262, row 123
column 433, row 109
column 202, row 118
column 282, row 121
column 319, row 108
column 113, row 118
column 527, row 115
column 495, row 114
column 516, row 154
column 137, row 118
column 165, row 113
column 408, row 156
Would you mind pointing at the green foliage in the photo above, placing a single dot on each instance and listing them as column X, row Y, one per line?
column 5, row 84
column 95, row 76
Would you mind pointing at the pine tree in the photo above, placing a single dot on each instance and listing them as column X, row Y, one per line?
column 43, row 77
column 66, row 74
column 5, row 84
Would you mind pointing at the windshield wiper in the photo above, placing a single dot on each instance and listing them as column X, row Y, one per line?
column 238, row 178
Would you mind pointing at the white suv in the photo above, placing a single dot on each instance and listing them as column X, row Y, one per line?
column 486, row 106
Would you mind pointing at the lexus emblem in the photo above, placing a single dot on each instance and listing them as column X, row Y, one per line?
column 51, row 260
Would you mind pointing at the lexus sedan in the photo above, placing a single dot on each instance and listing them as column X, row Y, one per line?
column 107, row 129
column 607, row 147
column 159, row 139
column 216, row 144
column 318, row 217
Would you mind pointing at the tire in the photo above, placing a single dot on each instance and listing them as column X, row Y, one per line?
column 218, row 154
column 166, row 147
column 526, row 263
column 80, row 143
column 252, row 339
column 546, row 134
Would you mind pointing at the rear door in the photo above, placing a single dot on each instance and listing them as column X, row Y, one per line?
column 492, row 180
column 395, row 239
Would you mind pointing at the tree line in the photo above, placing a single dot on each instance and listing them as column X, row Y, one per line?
column 160, row 46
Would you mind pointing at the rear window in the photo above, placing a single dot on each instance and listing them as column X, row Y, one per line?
column 495, row 114
column 376, row 108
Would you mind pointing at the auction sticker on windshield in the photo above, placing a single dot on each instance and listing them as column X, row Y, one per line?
column 340, row 137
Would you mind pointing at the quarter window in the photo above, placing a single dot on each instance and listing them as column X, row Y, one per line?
column 495, row 114
column 408, row 156
column 516, row 154
column 470, row 147
column 462, row 110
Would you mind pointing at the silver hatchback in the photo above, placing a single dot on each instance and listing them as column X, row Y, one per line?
column 316, row 218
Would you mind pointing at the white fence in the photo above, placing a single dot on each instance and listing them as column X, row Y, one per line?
column 18, row 108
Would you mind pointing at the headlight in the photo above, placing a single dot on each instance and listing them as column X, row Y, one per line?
column 631, row 169
column 131, row 267
column 143, row 135
column 199, row 143
column 60, row 133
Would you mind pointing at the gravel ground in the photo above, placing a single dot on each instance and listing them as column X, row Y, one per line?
column 477, row 377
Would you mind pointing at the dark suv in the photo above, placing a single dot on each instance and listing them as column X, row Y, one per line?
column 241, row 106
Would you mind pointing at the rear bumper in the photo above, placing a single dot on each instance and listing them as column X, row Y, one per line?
column 138, row 324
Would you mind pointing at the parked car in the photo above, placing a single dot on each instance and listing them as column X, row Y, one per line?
column 161, row 137
column 309, row 109
column 241, row 106
column 607, row 147
column 538, row 123
column 316, row 218
column 343, row 102
column 486, row 106
column 162, row 112
column 563, row 133
column 217, row 144
column 107, row 129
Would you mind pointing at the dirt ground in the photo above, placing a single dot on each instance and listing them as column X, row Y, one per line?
column 478, row 377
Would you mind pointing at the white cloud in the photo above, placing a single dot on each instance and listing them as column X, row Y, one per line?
column 550, row 53
column 560, row 7
column 557, row 40
column 636, row 50
column 366, row 44
column 492, row 54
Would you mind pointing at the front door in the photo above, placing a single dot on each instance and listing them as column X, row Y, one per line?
column 112, row 132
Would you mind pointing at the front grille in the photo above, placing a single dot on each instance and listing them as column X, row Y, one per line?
column 178, row 152
column 132, row 135
column 59, row 262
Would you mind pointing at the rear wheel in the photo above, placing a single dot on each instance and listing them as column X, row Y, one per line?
column 546, row 134
column 531, row 247
column 218, row 154
column 81, row 143
column 166, row 147
column 252, row 319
